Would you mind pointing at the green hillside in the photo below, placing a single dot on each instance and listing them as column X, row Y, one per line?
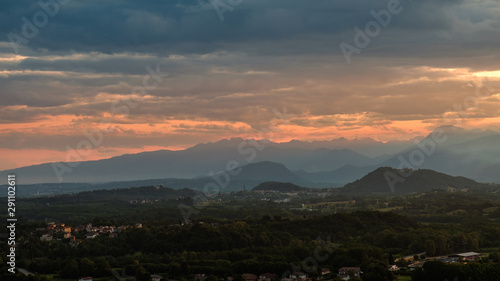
column 390, row 180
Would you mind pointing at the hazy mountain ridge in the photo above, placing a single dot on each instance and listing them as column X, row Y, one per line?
column 470, row 153
column 247, row 177
column 460, row 154
column 278, row 178
column 469, row 159
column 193, row 162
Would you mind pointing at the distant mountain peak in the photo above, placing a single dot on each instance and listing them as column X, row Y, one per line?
column 455, row 135
column 222, row 142
column 267, row 171
column 452, row 129
column 449, row 128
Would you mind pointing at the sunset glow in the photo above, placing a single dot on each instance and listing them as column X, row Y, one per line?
column 212, row 88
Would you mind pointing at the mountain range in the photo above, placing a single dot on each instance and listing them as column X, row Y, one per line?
column 381, row 180
column 455, row 151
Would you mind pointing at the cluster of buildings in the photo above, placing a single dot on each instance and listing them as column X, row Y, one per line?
column 144, row 201
column 344, row 273
column 154, row 277
column 462, row 257
column 86, row 231
column 454, row 189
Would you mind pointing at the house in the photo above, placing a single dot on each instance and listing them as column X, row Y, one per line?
column 46, row 237
column 86, row 279
column 325, row 271
column 345, row 271
column 393, row 267
column 300, row 276
column 155, row 277
column 91, row 235
column 67, row 235
column 89, row 227
column 469, row 256
column 413, row 266
column 249, row 277
column 200, row 277
column 121, row 228
column 267, row 277
column 73, row 242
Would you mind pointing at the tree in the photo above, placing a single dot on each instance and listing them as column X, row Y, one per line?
column 86, row 267
column 495, row 257
column 142, row 275
column 441, row 245
column 430, row 248
column 103, row 268
column 70, row 270
column 390, row 259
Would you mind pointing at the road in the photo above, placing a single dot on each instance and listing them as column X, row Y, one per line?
column 24, row 271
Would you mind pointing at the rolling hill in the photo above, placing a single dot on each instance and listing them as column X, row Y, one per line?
column 390, row 180
column 279, row 186
column 249, row 176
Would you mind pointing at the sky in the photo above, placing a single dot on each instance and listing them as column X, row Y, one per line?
column 107, row 78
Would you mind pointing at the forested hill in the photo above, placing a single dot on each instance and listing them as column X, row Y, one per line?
column 338, row 228
column 127, row 194
column 386, row 180
column 279, row 186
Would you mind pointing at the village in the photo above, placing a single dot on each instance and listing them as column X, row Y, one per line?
column 76, row 234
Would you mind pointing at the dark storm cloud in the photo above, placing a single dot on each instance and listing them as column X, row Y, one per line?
column 165, row 27
column 265, row 55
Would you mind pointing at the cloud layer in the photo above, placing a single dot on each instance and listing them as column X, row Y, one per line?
column 84, row 65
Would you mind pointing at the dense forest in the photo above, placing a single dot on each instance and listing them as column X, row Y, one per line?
column 249, row 232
